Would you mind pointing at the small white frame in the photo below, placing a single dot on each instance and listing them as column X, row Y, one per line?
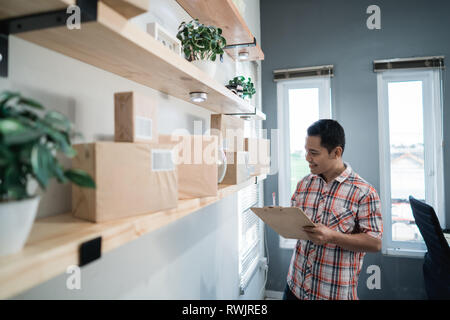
column 163, row 36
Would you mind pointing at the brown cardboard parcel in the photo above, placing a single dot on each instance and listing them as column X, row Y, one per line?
column 196, row 158
column 259, row 154
column 135, row 118
column 131, row 179
column 230, row 129
column 238, row 169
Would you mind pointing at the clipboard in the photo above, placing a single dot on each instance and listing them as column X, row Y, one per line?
column 286, row 221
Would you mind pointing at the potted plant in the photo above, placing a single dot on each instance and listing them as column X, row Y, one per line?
column 30, row 140
column 201, row 44
column 249, row 89
column 244, row 89
column 236, row 85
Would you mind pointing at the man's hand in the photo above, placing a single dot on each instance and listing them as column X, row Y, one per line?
column 320, row 234
column 359, row 242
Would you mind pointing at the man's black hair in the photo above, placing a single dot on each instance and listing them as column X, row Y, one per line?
column 331, row 134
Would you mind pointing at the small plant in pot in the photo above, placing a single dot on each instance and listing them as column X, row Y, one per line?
column 202, row 44
column 249, row 89
column 30, row 140
column 237, row 85
column 241, row 87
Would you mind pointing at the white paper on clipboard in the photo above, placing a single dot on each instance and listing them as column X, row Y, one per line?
column 286, row 221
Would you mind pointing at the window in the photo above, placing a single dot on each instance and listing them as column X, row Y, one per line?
column 300, row 103
column 410, row 133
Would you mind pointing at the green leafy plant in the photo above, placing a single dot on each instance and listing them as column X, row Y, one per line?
column 239, row 80
column 248, row 87
column 201, row 42
column 30, row 139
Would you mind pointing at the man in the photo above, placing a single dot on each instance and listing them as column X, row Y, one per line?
column 346, row 211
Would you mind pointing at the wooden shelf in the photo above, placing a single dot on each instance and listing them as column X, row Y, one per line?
column 113, row 44
column 17, row 8
column 54, row 242
column 260, row 115
column 225, row 15
column 257, row 115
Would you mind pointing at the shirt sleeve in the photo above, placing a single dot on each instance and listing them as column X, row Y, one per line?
column 369, row 215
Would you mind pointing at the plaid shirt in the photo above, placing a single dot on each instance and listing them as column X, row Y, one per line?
column 347, row 204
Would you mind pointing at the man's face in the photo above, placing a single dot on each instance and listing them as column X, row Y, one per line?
column 319, row 159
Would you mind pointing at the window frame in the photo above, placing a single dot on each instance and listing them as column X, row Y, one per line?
column 323, row 83
column 433, row 153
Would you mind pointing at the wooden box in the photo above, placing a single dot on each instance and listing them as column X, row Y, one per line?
column 196, row 159
column 230, row 131
column 131, row 179
column 135, row 118
column 259, row 155
column 238, row 170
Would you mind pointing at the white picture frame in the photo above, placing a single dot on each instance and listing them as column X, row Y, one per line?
column 163, row 36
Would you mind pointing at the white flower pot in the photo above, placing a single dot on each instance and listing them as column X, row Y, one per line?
column 207, row 66
column 16, row 220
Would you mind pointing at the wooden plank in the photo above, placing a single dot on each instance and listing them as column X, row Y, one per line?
column 257, row 115
column 254, row 53
column 17, row 8
column 225, row 15
column 260, row 115
column 113, row 44
column 222, row 14
column 128, row 8
column 54, row 242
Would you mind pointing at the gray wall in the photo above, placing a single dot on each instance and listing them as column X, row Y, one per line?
column 318, row 32
column 195, row 257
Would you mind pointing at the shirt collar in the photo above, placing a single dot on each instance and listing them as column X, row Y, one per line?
column 343, row 176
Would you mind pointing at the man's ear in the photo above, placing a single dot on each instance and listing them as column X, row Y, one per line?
column 337, row 152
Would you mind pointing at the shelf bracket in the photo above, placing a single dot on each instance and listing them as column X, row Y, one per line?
column 4, row 55
column 39, row 21
column 90, row 250
column 247, row 115
column 242, row 45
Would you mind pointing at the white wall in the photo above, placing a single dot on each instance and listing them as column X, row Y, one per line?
column 193, row 258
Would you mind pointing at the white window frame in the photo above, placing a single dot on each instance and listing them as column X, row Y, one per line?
column 433, row 153
column 284, row 165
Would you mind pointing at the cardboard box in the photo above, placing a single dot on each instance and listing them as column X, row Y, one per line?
column 196, row 158
column 131, row 179
column 135, row 118
column 238, row 170
column 229, row 130
column 259, row 155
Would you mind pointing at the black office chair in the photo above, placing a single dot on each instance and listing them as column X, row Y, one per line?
column 436, row 265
